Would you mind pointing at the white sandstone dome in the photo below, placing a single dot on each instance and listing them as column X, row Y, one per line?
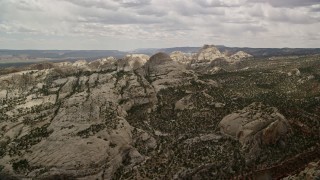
column 132, row 62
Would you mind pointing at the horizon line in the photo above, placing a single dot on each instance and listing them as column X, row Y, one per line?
column 7, row 49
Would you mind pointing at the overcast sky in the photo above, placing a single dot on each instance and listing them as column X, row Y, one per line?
column 131, row 24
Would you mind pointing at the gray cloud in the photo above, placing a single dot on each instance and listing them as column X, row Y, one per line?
column 118, row 17
column 27, row 5
column 288, row 3
column 109, row 4
column 129, row 24
column 315, row 8
column 152, row 12
column 220, row 3
column 194, row 9
column 134, row 3
column 105, row 4
column 292, row 18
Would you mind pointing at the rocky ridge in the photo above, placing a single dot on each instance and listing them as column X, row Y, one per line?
column 209, row 59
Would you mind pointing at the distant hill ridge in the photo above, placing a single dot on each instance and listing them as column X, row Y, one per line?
column 94, row 54
column 257, row 52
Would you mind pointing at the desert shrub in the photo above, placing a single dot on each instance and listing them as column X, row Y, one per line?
column 21, row 166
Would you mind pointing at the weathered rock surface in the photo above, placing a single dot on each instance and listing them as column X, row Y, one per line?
column 209, row 53
column 184, row 103
column 255, row 125
column 132, row 62
column 105, row 64
column 238, row 56
column 206, row 137
column 209, row 57
column 181, row 57
column 163, row 72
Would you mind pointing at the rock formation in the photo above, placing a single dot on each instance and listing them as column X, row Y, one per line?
column 209, row 57
column 132, row 62
column 162, row 71
column 180, row 57
column 255, row 125
column 239, row 55
column 209, row 53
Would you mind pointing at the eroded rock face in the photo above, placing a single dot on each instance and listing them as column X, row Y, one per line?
column 80, row 64
column 159, row 59
column 209, row 57
column 163, row 72
column 239, row 56
column 105, row 64
column 256, row 124
column 187, row 102
column 181, row 57
column 208, row 53
column 132, row 62
column 184, row 103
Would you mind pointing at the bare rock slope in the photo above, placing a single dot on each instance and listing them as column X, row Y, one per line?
column 255, row 125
